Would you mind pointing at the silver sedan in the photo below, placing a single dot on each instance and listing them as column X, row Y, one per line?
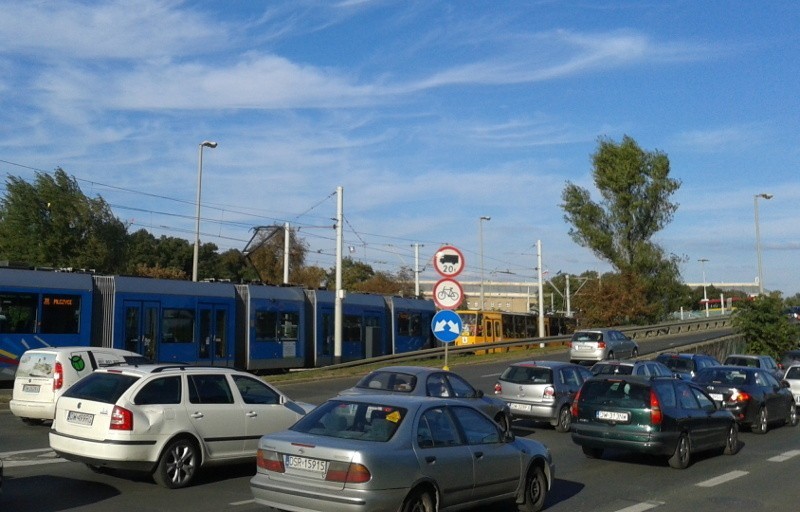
column 398, row 453
column 599, row 344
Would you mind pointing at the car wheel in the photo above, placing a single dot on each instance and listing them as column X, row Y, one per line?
column 564, row 419
column 418, row 501
column 592, row 453
column 100, row 470
column 504, row 421
column 32, row 421
column 760, row 425
column 732, row 440
column 680, row 459
column 178, row 464
column 535, row 490
column 791, row 417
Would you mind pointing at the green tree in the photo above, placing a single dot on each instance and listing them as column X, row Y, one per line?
column 50, row 222
column 635, row 186
column 765, row 327
column 265, row 253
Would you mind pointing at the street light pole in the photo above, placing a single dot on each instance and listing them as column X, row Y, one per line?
column 758, row 241
column 705, row 296
column 204, row 144
column 480, row 236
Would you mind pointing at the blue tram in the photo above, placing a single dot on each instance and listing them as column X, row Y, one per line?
column 247, row 326
column 39, row 309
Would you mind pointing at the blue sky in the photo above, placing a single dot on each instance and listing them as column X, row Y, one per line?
column 429, row 114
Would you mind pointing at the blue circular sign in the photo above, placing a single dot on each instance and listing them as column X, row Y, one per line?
column 446, row 326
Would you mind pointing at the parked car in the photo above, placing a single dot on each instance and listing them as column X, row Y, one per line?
column 792, row 376
column 686, row 365
column 592, row 345
column 398, row 452
column 629, row 367
column 753, row 395
column 44, row 374
column 424, row 381
column 755, row 361
column 661, row 416
column 541, row 390
column 168, row 420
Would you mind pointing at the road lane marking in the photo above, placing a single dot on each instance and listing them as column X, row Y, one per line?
column 35, row 457
column 784, row 456
column 240, row 503
column 641, row 507
column 490, row 375
column 721, row 479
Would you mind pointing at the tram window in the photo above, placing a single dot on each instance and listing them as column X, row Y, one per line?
column 61, row 314
column 409, row 324
column 351, row 328
column 266, row 325
column 178, row 326
column 288, row 327
column 17, row 313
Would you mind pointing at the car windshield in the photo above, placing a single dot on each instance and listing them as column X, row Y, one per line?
column 793, row 372
column 389, row 381
column 101, row 387
column 615, row 392
column 352, row 420
column 726, row 377
column 587, row 336
column 523, row 374
column 677, row 364
column 612, row 369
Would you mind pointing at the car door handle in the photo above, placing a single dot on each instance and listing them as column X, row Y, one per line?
column 478, row 455
column 251, row 414
column 430, row 459
column 197, row 415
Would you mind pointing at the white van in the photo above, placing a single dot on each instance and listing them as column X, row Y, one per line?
column 44, row 374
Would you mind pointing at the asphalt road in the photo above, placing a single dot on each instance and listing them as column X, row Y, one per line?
column 761, row 477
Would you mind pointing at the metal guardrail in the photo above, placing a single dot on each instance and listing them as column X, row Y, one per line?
column 637, row 333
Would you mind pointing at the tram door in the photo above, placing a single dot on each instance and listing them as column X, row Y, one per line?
column 141, row 328
column 491, row 329
column 213, row 334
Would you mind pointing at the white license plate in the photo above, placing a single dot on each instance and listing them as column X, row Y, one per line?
column 30, row 388
column 613, row 416
column 305, row 464
column 715, row 396
column 519, row 407
column 81, row 418
column 585, row 347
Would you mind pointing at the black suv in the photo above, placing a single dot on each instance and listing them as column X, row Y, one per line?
column 687, row 365
column 658, row 416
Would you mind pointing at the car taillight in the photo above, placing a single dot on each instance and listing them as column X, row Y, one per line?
column 270, row 460
column 498, row 388
column 574, row 407
column 121, row 419
column 601, row 344
column 740, row 396
column 350, row 473
column 58, row 377
column 655, row 409
column 549, row 392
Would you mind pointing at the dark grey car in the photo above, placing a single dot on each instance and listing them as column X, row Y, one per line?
column 541, row 390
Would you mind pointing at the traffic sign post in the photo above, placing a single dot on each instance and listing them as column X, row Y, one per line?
column 446, row 326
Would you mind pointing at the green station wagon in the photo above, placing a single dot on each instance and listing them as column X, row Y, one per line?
column 657, row 416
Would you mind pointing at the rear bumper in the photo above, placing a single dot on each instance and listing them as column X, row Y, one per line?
column 138, row 456
column 653, row 443
column 536, row 412
column 33, row 410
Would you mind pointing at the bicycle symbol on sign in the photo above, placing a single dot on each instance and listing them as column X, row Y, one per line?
column 447, row 292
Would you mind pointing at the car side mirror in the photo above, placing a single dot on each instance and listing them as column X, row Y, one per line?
column 508, row 436
column 478, row 393
column 785, row 384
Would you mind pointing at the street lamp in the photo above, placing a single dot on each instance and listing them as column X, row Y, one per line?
column 480, row 235
column 204, row 144
column 705, row 296
column 758, row 241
